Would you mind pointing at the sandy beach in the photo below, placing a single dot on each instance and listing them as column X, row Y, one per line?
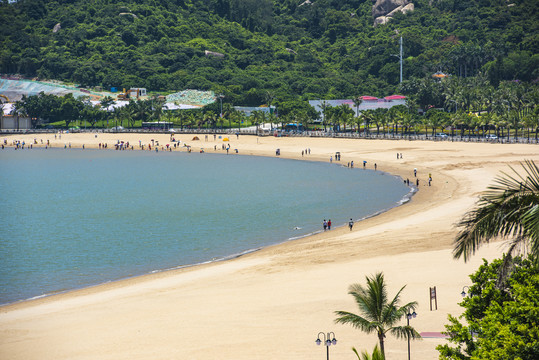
column 271, row 304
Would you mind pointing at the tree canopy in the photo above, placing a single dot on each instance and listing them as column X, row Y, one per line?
column 326, row 49
column 501, row 319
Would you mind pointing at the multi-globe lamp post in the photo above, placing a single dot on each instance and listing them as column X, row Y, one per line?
column 408, row 317
column 329, row 339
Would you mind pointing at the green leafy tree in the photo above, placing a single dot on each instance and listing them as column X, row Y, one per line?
column 378, row 313
column 70, row 109
column 500, row 321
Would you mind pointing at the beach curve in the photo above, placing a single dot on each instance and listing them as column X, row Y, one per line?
column 272, row 303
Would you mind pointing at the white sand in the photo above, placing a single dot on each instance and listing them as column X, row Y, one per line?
column 271, row 304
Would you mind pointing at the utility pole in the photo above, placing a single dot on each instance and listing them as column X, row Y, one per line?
column 400, row 57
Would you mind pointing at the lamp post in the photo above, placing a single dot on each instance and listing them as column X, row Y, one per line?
column 408, row 317
column 400, row 58
column 328, row 340
column 464, row 288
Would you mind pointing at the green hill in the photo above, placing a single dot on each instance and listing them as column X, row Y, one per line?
column 325, row 49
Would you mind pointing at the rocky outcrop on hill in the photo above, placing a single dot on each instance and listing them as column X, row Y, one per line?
column 384, row 10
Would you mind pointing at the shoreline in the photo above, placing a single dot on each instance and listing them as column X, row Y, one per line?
column 285, row 292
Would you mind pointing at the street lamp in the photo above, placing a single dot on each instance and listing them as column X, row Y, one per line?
column 408, row 317
column 328, row 341
column 464, row 288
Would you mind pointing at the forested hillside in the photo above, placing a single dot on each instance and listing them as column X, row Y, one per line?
column 295, row 50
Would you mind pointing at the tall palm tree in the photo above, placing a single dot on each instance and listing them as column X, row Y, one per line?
column 367, row 116
column 357, row 102
column 378, row 313
column 325, row 107
column 256, row 118
column 18, row 110
column 508, row 209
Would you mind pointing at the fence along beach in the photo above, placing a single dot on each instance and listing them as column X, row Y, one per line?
column 271, row 304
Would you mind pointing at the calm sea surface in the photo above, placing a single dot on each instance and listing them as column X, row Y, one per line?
column 75, row 218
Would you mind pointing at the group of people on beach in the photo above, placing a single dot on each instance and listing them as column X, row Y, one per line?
column 327, row 224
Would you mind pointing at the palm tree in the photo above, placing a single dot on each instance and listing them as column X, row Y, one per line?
column 367, row 116
column 376, row 354
column 378, row 313
column 509, row 209
column 357, row 102
column 106, row 102
column 256, row 118
column 18, row 110
column 406, row 121
column 379, row 119
column 325, row 108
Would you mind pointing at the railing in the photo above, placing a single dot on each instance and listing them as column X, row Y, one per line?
column 319, row 134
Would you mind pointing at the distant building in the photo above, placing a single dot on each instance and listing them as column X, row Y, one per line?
column 247, row 110
column 13, row 122
column 368, row 103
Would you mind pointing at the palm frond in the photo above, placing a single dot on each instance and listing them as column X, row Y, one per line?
column 507, row 209
column 405, row 332
column 355, row 321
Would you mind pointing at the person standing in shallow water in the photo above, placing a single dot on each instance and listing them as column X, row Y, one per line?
column 325, row 224
column 351, row 224
column 329, row 224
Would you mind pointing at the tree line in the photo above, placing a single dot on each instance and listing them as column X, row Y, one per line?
column 454, row 105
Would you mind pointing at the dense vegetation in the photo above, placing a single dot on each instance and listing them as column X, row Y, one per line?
column 329, row 49
column 500, row 316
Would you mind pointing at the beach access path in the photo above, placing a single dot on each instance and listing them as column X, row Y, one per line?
column 271, row 304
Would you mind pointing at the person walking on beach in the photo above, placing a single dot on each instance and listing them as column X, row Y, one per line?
column 375, row 166
column 325, row 224
column 351, row 224
column 415, row 172
column 329, row 224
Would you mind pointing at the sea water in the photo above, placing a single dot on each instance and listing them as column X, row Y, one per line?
column 76, row 218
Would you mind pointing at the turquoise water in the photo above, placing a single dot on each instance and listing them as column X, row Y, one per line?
column 75, row 218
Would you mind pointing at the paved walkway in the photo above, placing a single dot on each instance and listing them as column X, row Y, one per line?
column 433, row 334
